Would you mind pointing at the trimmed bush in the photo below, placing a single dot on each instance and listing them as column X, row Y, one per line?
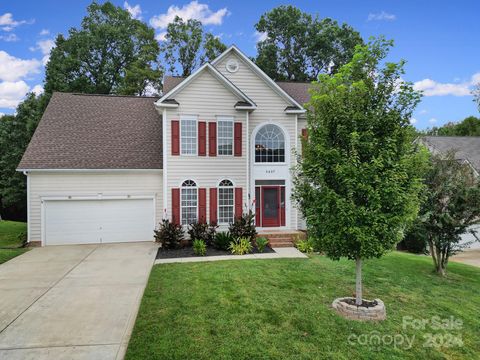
column 261, row 243
column 199, row 247
column 244, row 227
column 305, row 246
column 241, row 246
column 203, row 231
column 169, row 234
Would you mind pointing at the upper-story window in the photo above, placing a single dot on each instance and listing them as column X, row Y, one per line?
column 188, row 135
column 270, row 145
column 189, row 202
column 225, row 136
column 226, row 202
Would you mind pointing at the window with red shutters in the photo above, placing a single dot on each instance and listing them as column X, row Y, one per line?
column 238, row 202
column 202, row 138
column 212, row 139
column 202, row 205
column 213, row 205
column 237, row 139
column 176, row 206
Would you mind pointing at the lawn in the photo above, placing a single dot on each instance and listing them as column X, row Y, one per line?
column 9, row 239
column 280, row 309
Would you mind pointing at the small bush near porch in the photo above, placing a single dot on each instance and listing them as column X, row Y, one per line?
column 281, row 309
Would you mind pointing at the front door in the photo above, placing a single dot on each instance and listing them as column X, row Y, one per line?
column 271, row 206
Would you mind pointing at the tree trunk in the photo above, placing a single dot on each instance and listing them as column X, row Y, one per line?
column 358, row 283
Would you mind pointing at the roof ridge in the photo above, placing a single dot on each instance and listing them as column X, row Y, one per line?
column 110, row 95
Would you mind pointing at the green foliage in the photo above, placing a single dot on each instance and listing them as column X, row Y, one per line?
column 203, row 231
column 451, row 206
column 241, row 246
column 469, row 126
column 305, row 246
column 199, row 247
column 244, row 226
column 261, row 243
column 111, row 53
column 298, row 46
column 12, row 234
column 415, row 240
column 222, row 240
column 23, row 239
column 169, row 235
column 186, row 46
column 476, row 95
column 358, row 183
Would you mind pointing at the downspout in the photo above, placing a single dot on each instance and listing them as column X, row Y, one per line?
column 247, row 153
column 165, row 167
column 28, row 204
column 295, row 164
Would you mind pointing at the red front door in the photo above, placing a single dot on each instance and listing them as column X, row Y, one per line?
column 271, row 206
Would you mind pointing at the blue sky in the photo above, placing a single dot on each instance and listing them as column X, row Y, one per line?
column 439, row 39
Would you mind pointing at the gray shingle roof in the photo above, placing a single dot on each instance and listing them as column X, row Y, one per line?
column 96, row 132
column 465, row 147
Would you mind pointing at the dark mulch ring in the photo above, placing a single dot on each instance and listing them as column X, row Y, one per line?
column 365, row 303
column 187, row 251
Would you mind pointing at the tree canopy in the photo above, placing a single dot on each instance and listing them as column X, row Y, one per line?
column 186, row 46
column 469, row 126
column 111, row 53
column 299, row 47
column 358, row 181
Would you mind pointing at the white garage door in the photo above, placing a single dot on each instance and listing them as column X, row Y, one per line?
column 98, row 221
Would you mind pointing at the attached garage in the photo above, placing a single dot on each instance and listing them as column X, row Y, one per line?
column 87, row 221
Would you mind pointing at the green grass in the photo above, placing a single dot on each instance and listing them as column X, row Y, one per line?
column 280, row 309
column 9, row 239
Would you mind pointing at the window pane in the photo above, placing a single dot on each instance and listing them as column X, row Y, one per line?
column 270, row 144
column 188, row 130
column 188, row 202
column 225, row 137
column 226, row 202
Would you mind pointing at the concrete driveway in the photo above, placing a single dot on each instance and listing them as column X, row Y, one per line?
column 72, row 302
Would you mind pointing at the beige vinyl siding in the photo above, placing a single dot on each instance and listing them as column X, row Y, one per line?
column 206, row 98
column 90, row 184
column 270, row 108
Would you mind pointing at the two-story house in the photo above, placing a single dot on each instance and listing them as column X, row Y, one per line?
column 217, row 143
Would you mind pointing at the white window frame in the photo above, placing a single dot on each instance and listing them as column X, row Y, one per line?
column 267, row 163
column 232, row 187
column 232, row 122
column 189, row 118
column 182, row 187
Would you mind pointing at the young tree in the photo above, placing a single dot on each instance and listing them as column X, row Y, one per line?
column 476, row 95
column 299, row 47
column 111, row 53
column 186, row 47
column 451, row 206
column 357, row 183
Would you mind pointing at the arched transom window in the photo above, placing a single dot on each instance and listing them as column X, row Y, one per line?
column 189, row 202
column 226, row 202
column 269, row 144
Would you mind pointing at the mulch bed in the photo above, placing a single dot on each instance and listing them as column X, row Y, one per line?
column 365, row 303
column 188, row 252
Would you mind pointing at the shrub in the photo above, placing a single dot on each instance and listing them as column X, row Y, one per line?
column 415, row 240
column 169, row 234
column 222, row 240
column 241, row 246
column 244, row 227
column 203, row 231
column 199, row 247
column 23, row 239
column 305, row 246
column 261, row 243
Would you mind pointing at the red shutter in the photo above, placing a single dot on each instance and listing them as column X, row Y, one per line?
column 176, row 206
column 237, row 139
column 202, row 138
column 202, row 205
column 175, row 137
column 212, row 139
column 213, row 205
column 238, row 202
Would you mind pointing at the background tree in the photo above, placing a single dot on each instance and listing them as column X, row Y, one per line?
column 358, row 184
column 469, row 126
column 299, row 47
column 476, row 95
column 451, row 206
column 111, row 53
column 186, row 46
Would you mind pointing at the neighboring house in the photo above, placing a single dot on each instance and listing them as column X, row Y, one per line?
column 467, row 150
column 110, row 168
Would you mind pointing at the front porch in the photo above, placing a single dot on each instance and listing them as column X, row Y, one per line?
column 282, row 237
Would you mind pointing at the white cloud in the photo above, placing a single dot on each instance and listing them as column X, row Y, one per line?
column 135, row 11
column 37, row 89
column 432, row 121
column 7, row 23
column 381, row 16
column 14, row 69
column 260, row 36
column 44, row 32
column 9, row 37
column 423, row 111
column 193, row 10
column 413, row 121
column 45, row 46
column 11, row 93
column 432, row 88
column 161, row 36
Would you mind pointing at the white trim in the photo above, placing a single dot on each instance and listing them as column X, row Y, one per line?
column 219, row 76
column 165, row 165
column 218, row 200
column 247, row 154
column 28, row 206
column 91, row 170
column 297, row 135
column 46, row 198
column 194, row 118
column 259, row 72
column 300, row 111
column 196, row 187
column 166, row 105
column 286, row 140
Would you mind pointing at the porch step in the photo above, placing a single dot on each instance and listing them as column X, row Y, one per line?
column 282, row 238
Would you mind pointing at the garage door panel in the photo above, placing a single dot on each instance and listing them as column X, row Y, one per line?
column 98, row 221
